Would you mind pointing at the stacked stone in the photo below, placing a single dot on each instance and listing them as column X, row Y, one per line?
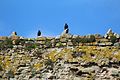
column 41, row 41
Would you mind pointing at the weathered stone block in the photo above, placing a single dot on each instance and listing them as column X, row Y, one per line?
column 69, row 43
column 41, row 42
column 63, row 40
column 3, row 37
column 41, row 39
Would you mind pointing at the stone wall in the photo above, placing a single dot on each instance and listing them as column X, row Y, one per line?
column 65, row 40
column 54, row 42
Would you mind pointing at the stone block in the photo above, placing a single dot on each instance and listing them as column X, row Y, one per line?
column 69, row 43
column 41, row 38
column 63, row 40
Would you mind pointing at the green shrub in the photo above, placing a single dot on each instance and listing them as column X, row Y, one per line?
column 76, row 41
column 1, row 68
column 10, row 74
column 59, row 44
column 17, row 42
column 6, row 44
column 84, row 40
column 92, row 38
column 48, row 44
column 30, row 46
column 49, row 62
column 113, row 39
column 22, row 42
column 33, row 73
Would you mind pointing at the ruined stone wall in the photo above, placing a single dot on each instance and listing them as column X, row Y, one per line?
column 68, row 40
column 61, row 41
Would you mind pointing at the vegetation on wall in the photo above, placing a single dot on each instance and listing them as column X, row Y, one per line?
column 78, row 40
column 6, row 44
column 113, row 39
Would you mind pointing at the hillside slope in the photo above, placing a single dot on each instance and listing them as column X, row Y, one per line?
column 66, row 63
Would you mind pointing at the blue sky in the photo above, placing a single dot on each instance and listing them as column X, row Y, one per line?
column 84, row 17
